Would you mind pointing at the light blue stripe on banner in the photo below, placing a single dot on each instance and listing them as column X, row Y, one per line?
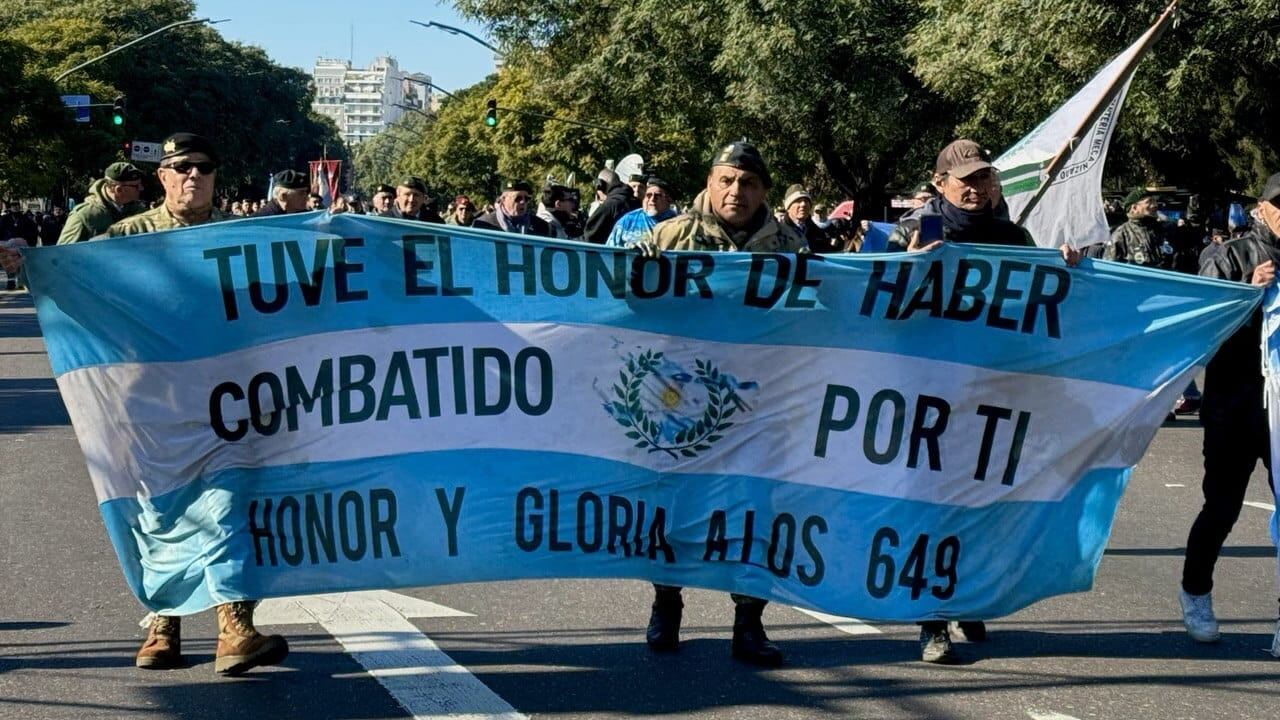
column 845, row 553
column 156, row 298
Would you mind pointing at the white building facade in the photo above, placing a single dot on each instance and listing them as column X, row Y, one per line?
column 363, row 102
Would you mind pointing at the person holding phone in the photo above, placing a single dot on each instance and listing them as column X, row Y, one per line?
column 967, row 209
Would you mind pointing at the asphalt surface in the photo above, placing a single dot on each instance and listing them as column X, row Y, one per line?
column 69, row 626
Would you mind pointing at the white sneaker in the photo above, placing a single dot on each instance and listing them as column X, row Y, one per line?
column 1197, row 615
column 1275, row 642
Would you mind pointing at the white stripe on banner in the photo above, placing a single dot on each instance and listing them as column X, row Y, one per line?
column 151, row 423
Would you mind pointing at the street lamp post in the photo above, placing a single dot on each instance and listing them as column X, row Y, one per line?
column 135, row 41
column 457, row 31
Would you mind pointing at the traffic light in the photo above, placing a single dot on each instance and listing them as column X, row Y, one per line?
column 491, row 114
column 117, row 111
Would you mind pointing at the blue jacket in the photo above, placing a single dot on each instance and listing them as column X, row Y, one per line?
column 632, row 227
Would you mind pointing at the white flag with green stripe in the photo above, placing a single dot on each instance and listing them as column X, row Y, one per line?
column 1070, row 211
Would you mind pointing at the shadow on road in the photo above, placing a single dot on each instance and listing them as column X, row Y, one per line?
column 1237, row 551
column 17, row 325
column 30, row 403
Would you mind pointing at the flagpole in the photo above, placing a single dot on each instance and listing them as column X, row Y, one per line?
column 1156, row 32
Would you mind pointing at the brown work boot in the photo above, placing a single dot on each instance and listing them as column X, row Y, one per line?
column 162, row 650
column 240, row 645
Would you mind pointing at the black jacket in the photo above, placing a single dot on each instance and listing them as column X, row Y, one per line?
column 618, row 202
column 271, row 208
column 818, row 240
column 998, row 230
column 1233, row 380
column 537, row 226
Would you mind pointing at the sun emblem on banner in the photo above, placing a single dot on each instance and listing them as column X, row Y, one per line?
column 665, row 408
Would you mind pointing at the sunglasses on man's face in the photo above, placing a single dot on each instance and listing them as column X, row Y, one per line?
column 184, row 168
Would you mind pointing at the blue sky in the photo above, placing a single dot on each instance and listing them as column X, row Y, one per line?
column 296, row 32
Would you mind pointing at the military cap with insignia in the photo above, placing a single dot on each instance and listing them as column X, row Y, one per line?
column 414, row 182
column 744, row 156
column 519, row 186
column 384, row 188
column 291, row 180
column 187, row 143
column 122, row 172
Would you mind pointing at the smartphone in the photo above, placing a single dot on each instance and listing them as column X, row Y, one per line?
column 930, row 228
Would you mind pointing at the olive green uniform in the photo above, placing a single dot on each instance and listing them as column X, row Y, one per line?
column 155, row 219
column 92, row 217
column 700, row 229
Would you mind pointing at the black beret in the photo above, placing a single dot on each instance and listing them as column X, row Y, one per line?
column 122, row 172
column 291, row 180
column 384, row 188
column 744, row 156
column 186, row 143
column 658, row 182
column 519, row 186
column 413, row 182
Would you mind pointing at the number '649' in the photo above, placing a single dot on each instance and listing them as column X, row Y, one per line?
column 883, row 572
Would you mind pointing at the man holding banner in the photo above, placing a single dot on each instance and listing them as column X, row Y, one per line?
column 1234, row 415
column 731, row 214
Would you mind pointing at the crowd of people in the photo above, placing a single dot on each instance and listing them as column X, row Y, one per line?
column 963, row 202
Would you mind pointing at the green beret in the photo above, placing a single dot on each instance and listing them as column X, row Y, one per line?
column 1135, row 195
column 291, row 180
column 744, row 156
column 384, row 188
column 186, row 143
column 519, row 186
column 122, row 172
column 414, row 182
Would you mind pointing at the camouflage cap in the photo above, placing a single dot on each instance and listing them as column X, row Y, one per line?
column 122, row 172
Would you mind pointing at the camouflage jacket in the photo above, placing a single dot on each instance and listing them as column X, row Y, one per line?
column 700, row 229
column 93, row 216
column 157, row 218
column 1138, row 242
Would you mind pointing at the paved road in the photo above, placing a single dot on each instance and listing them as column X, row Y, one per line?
column 68, row 625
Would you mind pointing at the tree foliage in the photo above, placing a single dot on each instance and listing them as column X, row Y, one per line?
column 189, row 79
column 823, row 86
column 1202, row 108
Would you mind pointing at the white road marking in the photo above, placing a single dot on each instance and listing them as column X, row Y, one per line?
column 847, row 625
column 373, row 627
column 1260, row 506
column 1174, row 485
column 1048, row 715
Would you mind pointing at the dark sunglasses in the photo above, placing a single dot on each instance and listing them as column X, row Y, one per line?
column 184, row 168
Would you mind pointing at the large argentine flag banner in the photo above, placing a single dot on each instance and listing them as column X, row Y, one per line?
column 311, row 403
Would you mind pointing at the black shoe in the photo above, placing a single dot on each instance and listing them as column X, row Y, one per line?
column 750, row 643
column 973, row 630
column 663, row 634
column 935, row 646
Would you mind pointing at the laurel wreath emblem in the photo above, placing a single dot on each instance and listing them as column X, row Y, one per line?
column 688, row 442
